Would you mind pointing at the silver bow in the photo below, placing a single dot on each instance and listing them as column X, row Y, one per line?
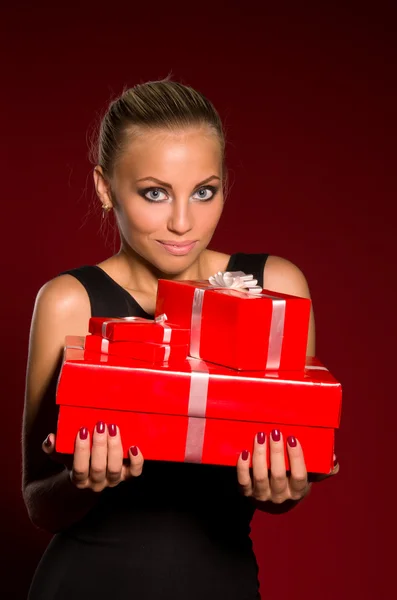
column 237, row 280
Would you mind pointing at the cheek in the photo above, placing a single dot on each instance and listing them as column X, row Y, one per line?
column 208, row 216
column 145, row 217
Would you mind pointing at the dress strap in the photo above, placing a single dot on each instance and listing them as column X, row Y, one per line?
column 249, row 263
column 107, row 298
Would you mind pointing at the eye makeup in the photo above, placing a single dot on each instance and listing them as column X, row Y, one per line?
column 161, row 195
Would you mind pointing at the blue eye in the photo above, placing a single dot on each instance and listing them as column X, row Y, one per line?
column 205, row 193
column 155, row 195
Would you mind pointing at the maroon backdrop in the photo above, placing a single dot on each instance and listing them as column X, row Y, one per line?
column 308, row 100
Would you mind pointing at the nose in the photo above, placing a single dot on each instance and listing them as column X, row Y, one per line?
column 180, row 220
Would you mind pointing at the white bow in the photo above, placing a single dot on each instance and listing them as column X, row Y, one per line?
column 236, row 280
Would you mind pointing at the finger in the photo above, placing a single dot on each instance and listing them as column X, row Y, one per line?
column 134, row 469
column 99, row 454
column 81, row 459
column 298, row 483
column 243, row 473
column 49, row 444
column 278, row 474
column 115, row 456
column 261, row 484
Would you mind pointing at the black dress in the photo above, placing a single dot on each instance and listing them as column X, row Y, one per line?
column 179, row 531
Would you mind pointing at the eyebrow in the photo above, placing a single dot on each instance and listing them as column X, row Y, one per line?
column 168, row 185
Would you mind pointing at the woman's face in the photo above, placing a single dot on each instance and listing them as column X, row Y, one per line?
column 168, row 192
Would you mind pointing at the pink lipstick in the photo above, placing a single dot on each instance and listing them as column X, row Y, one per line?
column 177, row 248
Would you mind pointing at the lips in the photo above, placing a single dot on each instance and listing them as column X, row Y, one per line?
column 177, row 248
column 178, row 244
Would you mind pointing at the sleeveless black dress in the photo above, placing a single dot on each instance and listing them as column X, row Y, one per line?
column 180, row 531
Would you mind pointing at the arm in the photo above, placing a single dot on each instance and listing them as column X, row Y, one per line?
column 52, row 501
column 280, row 275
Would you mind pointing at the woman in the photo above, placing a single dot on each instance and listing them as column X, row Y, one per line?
column 122, row 528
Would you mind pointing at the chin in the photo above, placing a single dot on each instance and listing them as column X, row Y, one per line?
column 174, row 265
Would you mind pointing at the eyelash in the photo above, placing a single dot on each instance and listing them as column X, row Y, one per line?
column 143, row 193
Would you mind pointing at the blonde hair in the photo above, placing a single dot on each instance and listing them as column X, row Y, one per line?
column 155, row 104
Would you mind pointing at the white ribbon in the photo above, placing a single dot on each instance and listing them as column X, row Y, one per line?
column 236, row 280
column 197, row 409
column 160, row 320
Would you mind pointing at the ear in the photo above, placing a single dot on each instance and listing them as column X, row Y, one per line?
column 102, row 187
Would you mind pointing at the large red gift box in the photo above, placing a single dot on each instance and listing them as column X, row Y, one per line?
column 264, row 331
column 199, row 412
column 148, row 352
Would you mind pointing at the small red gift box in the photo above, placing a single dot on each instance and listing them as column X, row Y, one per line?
column 265, row 331
column 198, row 412
column 148, row 351
column 137, row 329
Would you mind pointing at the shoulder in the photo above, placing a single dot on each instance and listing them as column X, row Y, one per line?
column 282, row 275
column 62, row 299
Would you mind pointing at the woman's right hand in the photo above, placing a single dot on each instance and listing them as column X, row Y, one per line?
column 103, row 465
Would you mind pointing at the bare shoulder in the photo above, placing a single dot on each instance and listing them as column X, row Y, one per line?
column 63, row 300
column 61, row 308
column 282, row 275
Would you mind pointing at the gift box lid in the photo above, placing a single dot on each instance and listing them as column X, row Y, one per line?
column 236, row 297
column 138, row 329
column 312, row 397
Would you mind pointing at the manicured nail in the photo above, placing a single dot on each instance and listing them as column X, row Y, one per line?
column 134, row 451
column 261, row 437
column 291, row 441
column 47, row 441
column 83, row 433
column 112, row 429
column 276, row 435
column 100, row 427
column 245, row 454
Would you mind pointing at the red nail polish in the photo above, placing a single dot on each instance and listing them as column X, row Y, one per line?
column 100, row 427
column 112, row 429
column 291, row 441
column 83, row 433
column 245, row 454
column 276, row 436
column 134, row 451
column 47, row 441
column 261, row 437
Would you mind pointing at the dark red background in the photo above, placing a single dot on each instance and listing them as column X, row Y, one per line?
column 308, row 96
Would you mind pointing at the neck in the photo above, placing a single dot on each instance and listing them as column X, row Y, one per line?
column 140, row 274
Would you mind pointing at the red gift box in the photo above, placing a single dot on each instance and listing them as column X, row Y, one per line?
column 200, row 412
column 148, row 352
column 236, row 329
column 137, row 329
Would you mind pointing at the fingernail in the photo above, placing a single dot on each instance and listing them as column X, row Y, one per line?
column 47, row 441
column 83, row 433
column 112, row 430
column 261, row 437
column 335, row 461
column 291, row 441
column 100, row 427
column 245, row 454
column 134, row 451
column 276, row 435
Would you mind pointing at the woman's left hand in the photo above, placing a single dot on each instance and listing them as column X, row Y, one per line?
column 276, row 486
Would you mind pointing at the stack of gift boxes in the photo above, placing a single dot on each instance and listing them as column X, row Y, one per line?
column 220, row 361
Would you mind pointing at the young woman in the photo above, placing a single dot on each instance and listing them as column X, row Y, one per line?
column 125, row 529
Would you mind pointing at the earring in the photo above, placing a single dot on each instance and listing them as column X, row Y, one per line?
column 105, row 209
